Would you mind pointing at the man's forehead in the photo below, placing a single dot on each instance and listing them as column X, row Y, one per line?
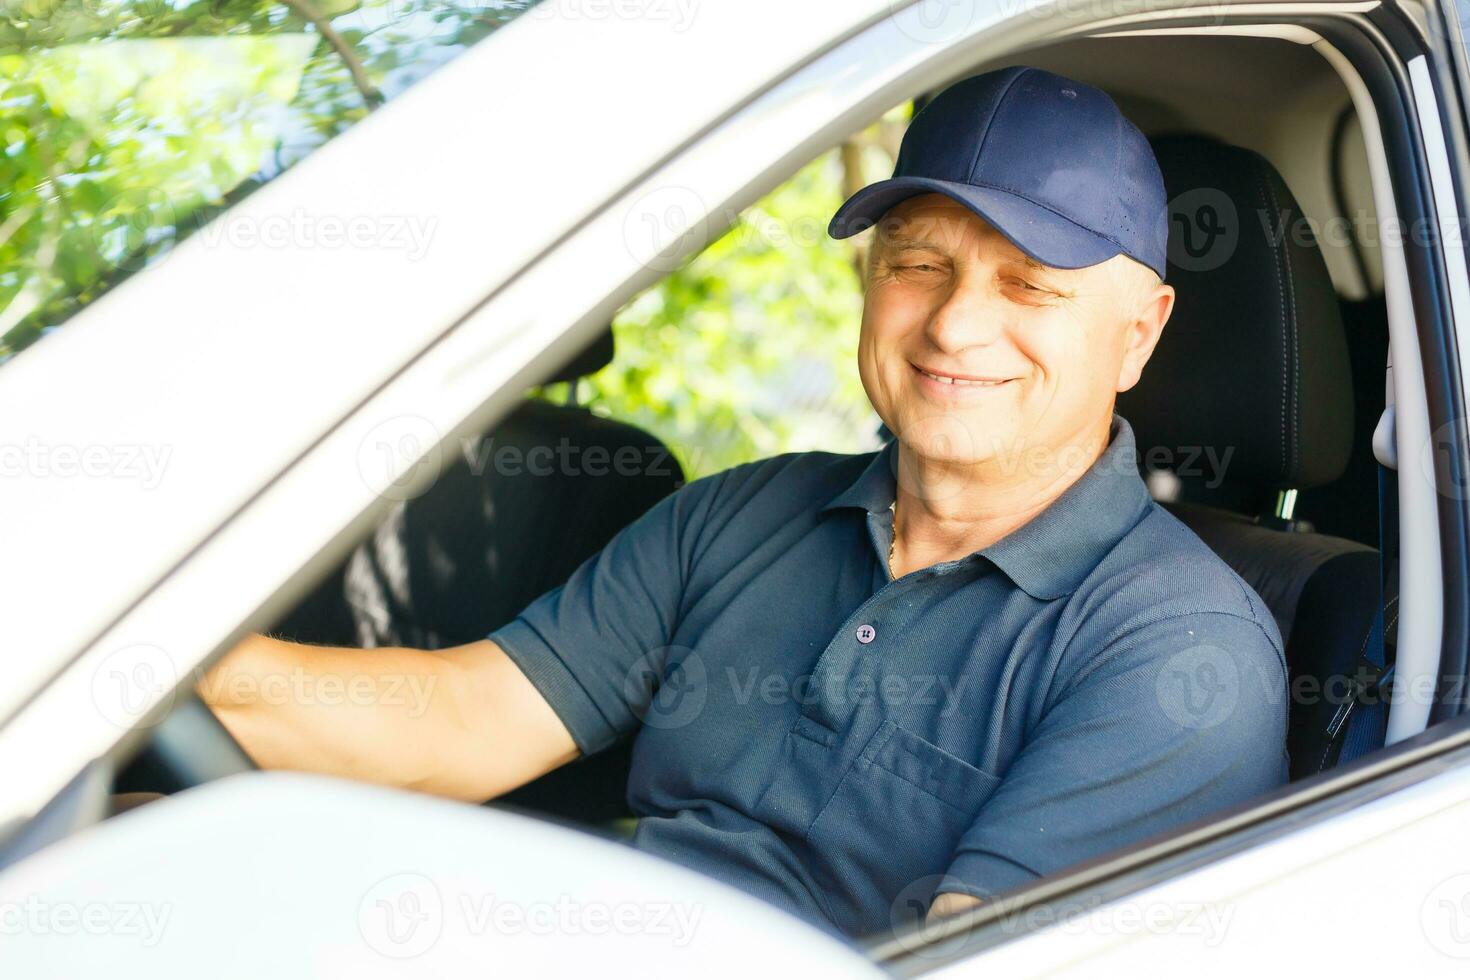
column 939, row 222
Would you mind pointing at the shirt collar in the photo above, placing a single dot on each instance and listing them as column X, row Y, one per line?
column 1049, row 555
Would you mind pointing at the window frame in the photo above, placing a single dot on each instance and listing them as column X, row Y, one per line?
column 1379, row 46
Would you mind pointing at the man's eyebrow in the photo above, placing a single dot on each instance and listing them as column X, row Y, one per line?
column 903, row 243
column 899, row 243
column 1036, row 266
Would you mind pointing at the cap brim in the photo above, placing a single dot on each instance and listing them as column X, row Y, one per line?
column 1042, row 234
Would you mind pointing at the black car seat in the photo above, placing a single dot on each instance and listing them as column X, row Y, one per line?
column 511, row 517
column 1252, row 371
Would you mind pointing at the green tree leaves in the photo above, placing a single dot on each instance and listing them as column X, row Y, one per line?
column 127, row 124
column 751, row 348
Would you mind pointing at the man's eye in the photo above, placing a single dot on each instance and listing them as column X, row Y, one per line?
column 920, row 267
column 1030, row 287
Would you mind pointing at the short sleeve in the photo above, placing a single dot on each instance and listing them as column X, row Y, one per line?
column 1168, row 723
column 595, row 647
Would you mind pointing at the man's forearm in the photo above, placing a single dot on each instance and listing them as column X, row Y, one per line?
column 462, row 722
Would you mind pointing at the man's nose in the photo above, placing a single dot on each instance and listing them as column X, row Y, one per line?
column 971, row 316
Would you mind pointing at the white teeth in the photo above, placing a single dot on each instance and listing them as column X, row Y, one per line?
column 957, row 381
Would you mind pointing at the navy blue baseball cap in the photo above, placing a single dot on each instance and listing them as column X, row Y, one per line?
column 1050, row 163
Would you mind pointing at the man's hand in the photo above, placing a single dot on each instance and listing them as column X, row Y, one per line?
column 462, row 722
column 949, row 903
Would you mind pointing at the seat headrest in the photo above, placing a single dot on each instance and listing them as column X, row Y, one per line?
column 596, row 356
column 1254, row 358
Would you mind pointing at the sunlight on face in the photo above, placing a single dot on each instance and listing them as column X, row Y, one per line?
column 972, row 353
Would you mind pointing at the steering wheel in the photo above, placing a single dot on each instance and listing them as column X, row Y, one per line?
column 188, row 748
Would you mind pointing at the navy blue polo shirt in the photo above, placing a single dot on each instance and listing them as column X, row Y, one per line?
column 848, row 745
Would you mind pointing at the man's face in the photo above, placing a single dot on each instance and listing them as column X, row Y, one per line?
column 971, row 352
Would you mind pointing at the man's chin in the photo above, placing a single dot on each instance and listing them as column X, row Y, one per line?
column 954, row 440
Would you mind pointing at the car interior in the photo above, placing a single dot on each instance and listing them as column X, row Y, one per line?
column 1276, row 357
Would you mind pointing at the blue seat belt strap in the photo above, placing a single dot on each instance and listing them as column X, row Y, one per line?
column 1367, row 721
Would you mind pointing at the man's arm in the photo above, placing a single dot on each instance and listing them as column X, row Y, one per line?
column 468, row 722
column 462, row 722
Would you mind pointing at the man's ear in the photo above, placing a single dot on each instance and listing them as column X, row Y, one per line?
column 1142, row 335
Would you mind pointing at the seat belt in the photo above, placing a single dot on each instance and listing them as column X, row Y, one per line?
column 1367, row 714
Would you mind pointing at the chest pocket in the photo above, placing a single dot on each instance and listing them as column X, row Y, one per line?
column 896, row 817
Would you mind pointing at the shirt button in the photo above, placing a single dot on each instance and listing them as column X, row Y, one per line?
column 866, row 634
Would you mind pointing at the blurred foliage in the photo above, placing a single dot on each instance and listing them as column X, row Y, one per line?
column 127, row 124
column 750, row 349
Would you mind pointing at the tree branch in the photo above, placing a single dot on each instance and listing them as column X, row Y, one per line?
column 370, row 93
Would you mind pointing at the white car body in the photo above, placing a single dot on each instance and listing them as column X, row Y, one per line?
column 261, row 445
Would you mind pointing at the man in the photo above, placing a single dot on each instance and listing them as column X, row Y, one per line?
column 870, row 687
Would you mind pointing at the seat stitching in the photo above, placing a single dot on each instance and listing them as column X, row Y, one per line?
column 1276, row 267
column 1296, row 341
column 1363, row 648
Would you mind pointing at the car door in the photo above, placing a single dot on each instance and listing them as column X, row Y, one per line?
column 500, row 312
column 239, row 355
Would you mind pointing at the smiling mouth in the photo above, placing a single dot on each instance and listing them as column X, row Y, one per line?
column 961, row 382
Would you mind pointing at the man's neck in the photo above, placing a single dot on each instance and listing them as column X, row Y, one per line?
column 946, row 511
